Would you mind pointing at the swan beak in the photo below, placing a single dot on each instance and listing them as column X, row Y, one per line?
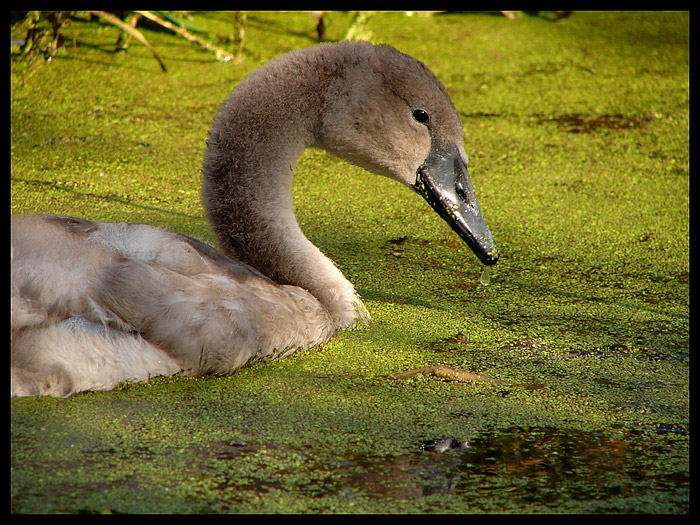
column 443, row 180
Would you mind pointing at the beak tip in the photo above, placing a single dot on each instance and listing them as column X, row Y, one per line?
column 490, row 260
column 488, row 255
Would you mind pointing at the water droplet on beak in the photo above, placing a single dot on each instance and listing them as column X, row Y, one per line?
column 485, row 278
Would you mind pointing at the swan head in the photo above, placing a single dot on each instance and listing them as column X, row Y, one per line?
column 388, row 113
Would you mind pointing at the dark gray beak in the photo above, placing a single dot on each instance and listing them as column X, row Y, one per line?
column 444, row 182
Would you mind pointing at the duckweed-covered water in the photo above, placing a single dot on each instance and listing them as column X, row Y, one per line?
column 577, row 135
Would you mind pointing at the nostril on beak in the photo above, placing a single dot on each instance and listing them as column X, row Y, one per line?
column 461, row 192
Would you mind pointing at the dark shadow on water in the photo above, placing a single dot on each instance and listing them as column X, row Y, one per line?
column 535, row 467
column 54, row 185
column 519, row 469
column 399, row 299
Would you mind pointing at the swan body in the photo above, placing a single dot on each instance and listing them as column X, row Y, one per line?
column 94, row 304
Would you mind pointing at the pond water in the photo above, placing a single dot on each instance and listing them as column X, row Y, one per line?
column 519, row 469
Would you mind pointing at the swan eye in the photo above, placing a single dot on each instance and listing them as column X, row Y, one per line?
column 420, row 116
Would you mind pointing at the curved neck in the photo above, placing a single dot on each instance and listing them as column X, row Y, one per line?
column 248, row 172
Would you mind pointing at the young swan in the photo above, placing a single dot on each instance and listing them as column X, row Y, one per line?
column 95, row 304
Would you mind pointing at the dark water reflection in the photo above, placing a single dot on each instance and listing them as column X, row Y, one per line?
column 534, row 469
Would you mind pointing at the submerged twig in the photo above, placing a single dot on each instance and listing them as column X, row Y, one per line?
column 446, row 372
column 220, row 53
column 40, row 39
column 133, row 32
